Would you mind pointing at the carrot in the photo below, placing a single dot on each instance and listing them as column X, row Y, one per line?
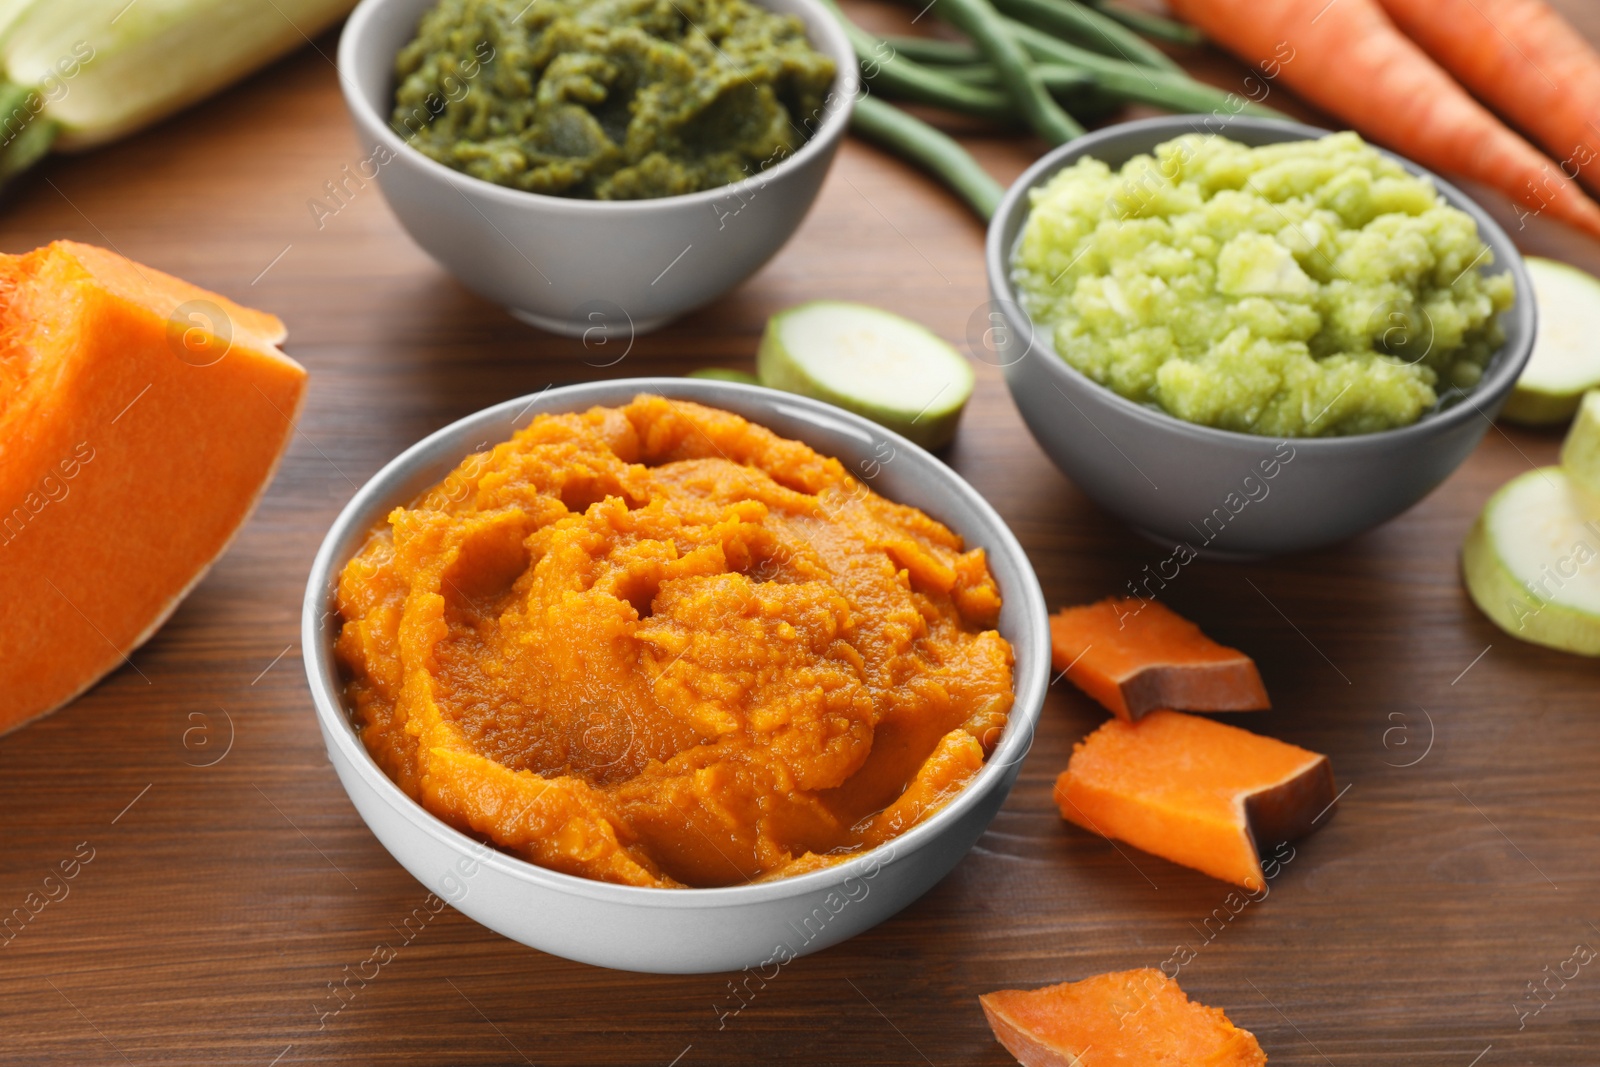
column 1349, row 59
column 1525, row 61
column 1135, row 656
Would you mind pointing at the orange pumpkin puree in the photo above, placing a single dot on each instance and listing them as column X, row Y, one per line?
column 663, row 646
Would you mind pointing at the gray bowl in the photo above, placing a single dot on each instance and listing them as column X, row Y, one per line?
column 682, row 930
column 1217, row 491
column 576, row 266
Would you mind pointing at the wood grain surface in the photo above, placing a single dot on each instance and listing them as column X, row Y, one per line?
column 229, row 880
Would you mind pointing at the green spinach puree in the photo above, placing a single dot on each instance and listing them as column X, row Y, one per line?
column 609, row 99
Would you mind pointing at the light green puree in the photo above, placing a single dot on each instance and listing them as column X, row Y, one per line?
column 1302, row 289
column 611, row 99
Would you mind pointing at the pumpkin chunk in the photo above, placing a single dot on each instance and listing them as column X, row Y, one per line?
column 1194, row 791
column 1127, row 1019
column 140, row 419
column 1135, row 656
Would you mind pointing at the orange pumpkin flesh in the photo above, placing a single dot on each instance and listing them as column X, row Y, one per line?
column 1135, row 656
column 1195, row 791
column 140, row 419
column 1126, row 1019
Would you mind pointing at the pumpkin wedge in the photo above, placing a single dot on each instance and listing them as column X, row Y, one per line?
column 1195, row 791
column 1128, row 1019
column 140, row 419
column 1135, row 656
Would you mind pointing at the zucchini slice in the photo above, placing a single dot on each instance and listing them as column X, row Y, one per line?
column 1532, row 561
column 891, row 370
column 1566, row 356
column 1580, row 452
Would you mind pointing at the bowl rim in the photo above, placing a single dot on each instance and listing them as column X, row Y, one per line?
column 1493, row 386
column 363, row 512
column 837, row 105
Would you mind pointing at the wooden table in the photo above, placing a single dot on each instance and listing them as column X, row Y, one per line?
column 231, row 881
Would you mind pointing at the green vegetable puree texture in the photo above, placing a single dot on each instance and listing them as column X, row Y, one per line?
column 610, row 99
column 1302, row 289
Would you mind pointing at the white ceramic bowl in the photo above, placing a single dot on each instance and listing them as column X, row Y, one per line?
column 682, row 930
column 570, row 265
